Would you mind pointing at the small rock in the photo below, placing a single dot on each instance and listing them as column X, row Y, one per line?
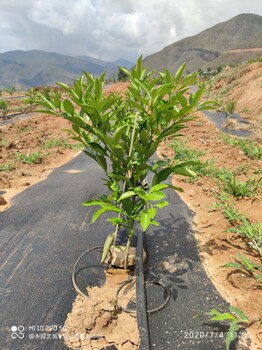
column 26, row 184
column 191, row 193
column 2, row 200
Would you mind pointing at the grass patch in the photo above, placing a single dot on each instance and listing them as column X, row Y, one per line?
column 226, row 177
column 249, row 147
column 7, row 167
column 59, row 142
column 236, row 188
column 191, row 154
column 3, row 143
column 22, row 129
column 33, row 158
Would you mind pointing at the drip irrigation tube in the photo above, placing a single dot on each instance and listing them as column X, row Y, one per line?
column 77, row 289
column 141, row 307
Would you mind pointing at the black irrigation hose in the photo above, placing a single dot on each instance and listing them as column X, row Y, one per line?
column 74, row 268
column 141, row 307
column 150, row 311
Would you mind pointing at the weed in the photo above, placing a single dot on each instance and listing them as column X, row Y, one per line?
column 249, row 231
column 7, row 167
column 245, row 110
column 3, row 143
column 4, row 107
column 258, row 171
column 228, row 210
column 233, row 186
column 230, row 107
column 259, row 59
column 240, row 189
column 249, row 147
column 22, row 128
column 243, row 263
column 58, row 142
column 33, row 158
column 234, row 317
column 192, row 155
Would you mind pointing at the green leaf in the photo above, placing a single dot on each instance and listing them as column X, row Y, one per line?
column 68, row 107
column 105, row 208
column 101, row 160
column 226, row 316
column 182, row 99
column 184, row 171
column 94, row 202
column 126, row 71
column 144, row 220
column 162, row 204
column 194, row 98
column 158, row 187
column 144, row 136
column 152, row 213
column 98, row 88
column 180, row 71
column 45, row 111
column 152, row 149
column 97, row 148
column 162, row 175
column 234, row 265
column 239, row 313
column 115, row 220
column 156, row 195
column 127, row 194
column 98, row 213
column 118, row 133
column 64, row 86
column 108, row 243
column 231, row 334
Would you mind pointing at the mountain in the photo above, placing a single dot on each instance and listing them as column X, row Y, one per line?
column 124, row 63
column 232, row 41
column 37, row 68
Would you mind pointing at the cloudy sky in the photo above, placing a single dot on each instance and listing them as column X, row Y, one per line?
column 110, row 29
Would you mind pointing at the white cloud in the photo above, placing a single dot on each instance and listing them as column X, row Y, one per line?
column 110, row 29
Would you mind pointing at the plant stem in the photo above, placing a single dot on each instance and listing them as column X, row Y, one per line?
column 130, row 236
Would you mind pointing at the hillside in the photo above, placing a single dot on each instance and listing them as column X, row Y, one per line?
column 213, row 47
column 37, row 68
column 242, row 85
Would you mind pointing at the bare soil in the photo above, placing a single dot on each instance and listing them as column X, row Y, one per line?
column 28, row 137
column 243, row 85
column 97, row 322
column 216, row 247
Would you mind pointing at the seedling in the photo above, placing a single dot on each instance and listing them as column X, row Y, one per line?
column 234, row 317
column 125, row 131
column 251, row 232
column 253, row 269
